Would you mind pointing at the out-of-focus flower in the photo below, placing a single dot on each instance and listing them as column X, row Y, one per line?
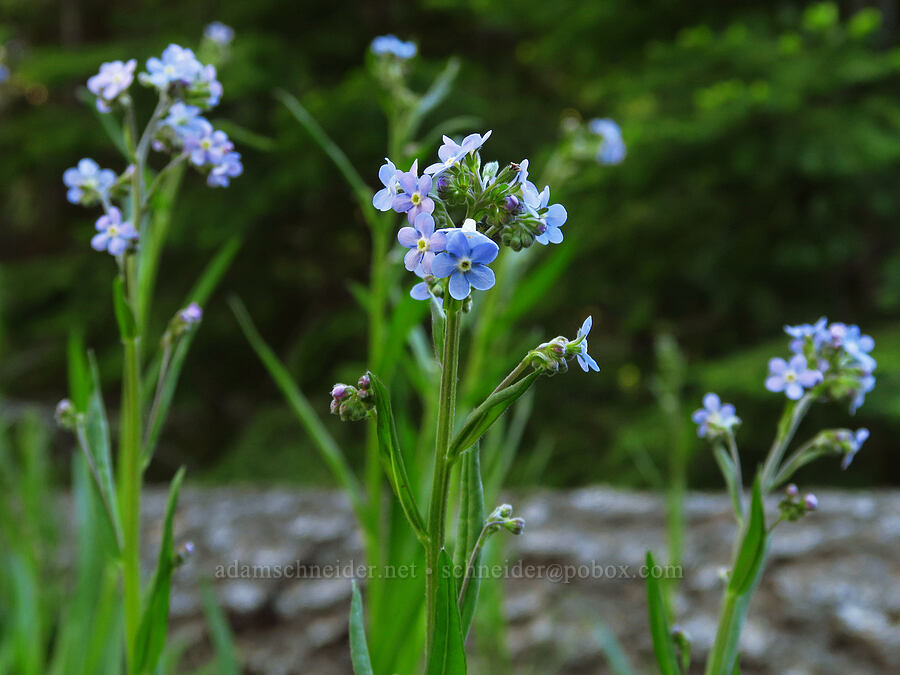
column 715, row 417
column 184, row 119
column 414, row 199
column 191, row 314
column 206, row 145
column 791, row 377
column 391, row 44
column 113, row 235
column 612, row 149
column 111, row 82
column 852, row 442
column 176, row 66
column 88, row 182
column 222, row 173
column 390, row 178
column 801, row 332
column 423, row 243
column 465, row 261
column 219, row 33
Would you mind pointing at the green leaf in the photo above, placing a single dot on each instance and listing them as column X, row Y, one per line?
column 663, row 645
column 124, row 313
column 471, row 522
column 438, row 326
column 481, row 419
column 726, row 466
column 359, row 650
column 324, row 443
column 753, row 546
column 612, row 650
column 200, row 293
column 223, row 642
column 151, row 635
column 79, row 374
column 392, row 457
column 448, row 653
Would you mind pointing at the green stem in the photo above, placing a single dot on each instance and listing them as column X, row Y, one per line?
column 729, row 630
column 437, row 515
column 787, row 426
column 489, row 528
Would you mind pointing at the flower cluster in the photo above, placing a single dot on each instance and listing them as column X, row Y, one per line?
column 186, row 87
column 793, row 507
column 497, row 207
column 832, row 358
column 552, row 357
column 353, row 403
column 715, row 418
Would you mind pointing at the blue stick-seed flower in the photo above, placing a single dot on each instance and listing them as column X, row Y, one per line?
column 111, row 82
column 715, row 417
column 184, row 119
column 390, row 178
column 792, row 377
column 113, row 235
column 466, row 261
column 222, row 173
column 207, row 145
column 391, row 44
column 176, row 66
column 219, row 33
column 423, row 243
column 414, row 199
column 612, row 149
column 585, row 360
column 551, row 216
column 88, row 182
column 451, row 152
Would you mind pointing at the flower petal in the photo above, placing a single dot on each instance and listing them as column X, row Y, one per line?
column 443, row 265
column 407, row 237
column 424, row 225
column 412, row 259
column 481, row 277
column 712, row 402
column 459, row 286
column 457, row 244
column 485, row 251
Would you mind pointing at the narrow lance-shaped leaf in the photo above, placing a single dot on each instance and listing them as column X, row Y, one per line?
column 151, row 635
column 752, row 547
column 392, row 457
column 359, row 649
column 124, row 312
column 726, row 466
column 471, row 522
column 448, row 652
column 481, row 419
column 227, row 662
column 663, row 645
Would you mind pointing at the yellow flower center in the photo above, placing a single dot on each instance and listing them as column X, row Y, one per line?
column 422, row 245
column 112, row 231
column 415, row 198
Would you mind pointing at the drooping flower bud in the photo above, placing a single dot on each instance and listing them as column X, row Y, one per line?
column 515, row 525
column 352, row 403
column 810, row 502
column 66, row 416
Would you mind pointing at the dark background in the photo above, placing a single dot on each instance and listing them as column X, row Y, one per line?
column 761, row 188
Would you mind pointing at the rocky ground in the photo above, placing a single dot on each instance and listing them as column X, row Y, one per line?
column 829, row 601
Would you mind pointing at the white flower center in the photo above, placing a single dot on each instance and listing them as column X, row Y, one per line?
column 112, row 231
column 464, row 265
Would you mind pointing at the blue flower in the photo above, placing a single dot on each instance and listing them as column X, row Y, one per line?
column 219, row 33
column 465, row 261
column 88, row 181
column 423, row 243
column 205, row 89
column 191, row 314
column 866, row 384
column 800, row 332
column 791, row 377
column 184, row 119
column 390, row 178
column 858, row 347
column 391, row 44
column 585, row 360
column 113, row 80
column 714, row 417
column 551, row 217
column 414, row 199
column 207, row 145
column 853, row 442
column 222, row 173
column 177, row 66
column 112, row 234
column 612, row 149
column 452, row 152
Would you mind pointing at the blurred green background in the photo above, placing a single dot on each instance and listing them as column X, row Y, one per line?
column 761, row 188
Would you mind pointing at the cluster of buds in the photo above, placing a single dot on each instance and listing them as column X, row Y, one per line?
column 502, row 517
column 551, row 357
column 184, row 320
column 353, row 403
column 182, row 554
column 844, row 442
column 66, row 416
column 793, row 507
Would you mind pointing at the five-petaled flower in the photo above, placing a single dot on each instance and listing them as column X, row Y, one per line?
column 113, row 235
column 391, row 44
column 423, row 243
column 792, row 377
column 207, row 145
column 452, row 152
column 390, row 178
column 184, row 119
column 88, row 181
column 229, row 167
column 113, row 80
column 465, row 261
column 414, row 199
column 715, row 417
column 177, row 66
column 551, row 216
column 585, row 360
column 612, row 149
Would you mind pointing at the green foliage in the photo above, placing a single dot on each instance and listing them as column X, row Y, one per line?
column 359, row 650
column 447, row 654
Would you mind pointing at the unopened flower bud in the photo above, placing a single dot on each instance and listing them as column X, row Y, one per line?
column 352, row 403
column 364, row 382
column 502, row 511
column 183, row 553
column 792, row 491
column 191, row 314
column 511, row 203
column 65, row 414
column 442, row 185
column 810, row 502
column 516, row 525
column 339, row 392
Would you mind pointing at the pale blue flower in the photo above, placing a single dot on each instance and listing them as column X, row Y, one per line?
column 612, row 149
column 391, row 44
column 184, row 119
column 423, row 243
column 219, row 33
column 88, row 182
column 451, row 152
column 714, row 417
column 414, row 199
column 866, row 384
column 207, row 145
column 791, row 377
column 113, row 235
column 551, row 216
column 191, row 314
column 177, row 66
column 111, row 82
column 222, row 173
column 390, row 178
column 853, row 441
column 465, row 260
column 800, row 332
column 585, row 360
column 858, row 347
